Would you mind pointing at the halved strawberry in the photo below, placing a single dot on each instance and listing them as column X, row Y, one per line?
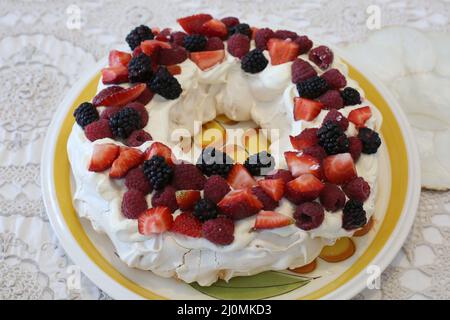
column 214, row 28
column 360, row 116
column 206, row 59
column 170, row 56
column 151, row 47
column 117, row 57
column 186, row 199
column 304, row 188
column 307, row 138
column 271, row 220
column 240, row 178
column 239, row 204
column 339, row 168
column 115, row 75
column 122, row 97
column 105, row 93
column 282, row 51
column 159, row 149
column 103, row 156
column 305, row 109
column 193, row 24
column 174, row 69
column 128, row 159
column 300, row 164
column 273, row 187
column 155, row 220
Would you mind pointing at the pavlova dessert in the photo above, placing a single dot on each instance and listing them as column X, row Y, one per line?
column 175, row 200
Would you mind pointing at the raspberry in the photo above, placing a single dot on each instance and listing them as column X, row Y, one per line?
column 205, row 210
column 336, row 116
column 158, row 172
column 241, row 28
column 140, row 69
column 355, row 147
column 215, row 188
column 139, row 34
column 85, row 114
column 309, row 215
column 350, row 96
column 332, row 198
column 109, row 112
column 316, row 151
column 266, row 200
column 284, row 174
column 322, row 56
column 165, row 198
column 102, row 95
column 178, row 37
column 357, row 189
column 354, row 215
column 230, row 21
column 133, row 204
column 124, row 122
column 140, row 108
column 138, row 137
column 370, row 140
column 187, row 224
column 332, row 138
column 136, row 179
column 312, row 87
column 187, row 176
column 170, row 56
column 98, row 130
column 254, row 61
column 262, row 36
column 219, row 230
column 285, row 34
column 334, row 78
column 214, row 43
column 305, row 44
column 195, row 42
column 260, row 163
column 238, row 45
column 164, row 84
column 331, row 100
column 301, row 70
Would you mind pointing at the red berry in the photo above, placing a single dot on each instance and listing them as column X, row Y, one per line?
column 207, row 59
column 136, row 179
column 262, row 36
column 230, row 21
column 282, row 51
column 309, row 215
column 145, row 97
column 339, row 168
column 138, row 137
column 304, row 188
column 193, row 24
column 355, row 147
column 178, row 38
column 98, row 130
column 266, row 200
column 159, row 149
column 128, row 159
column 357, row 189
column 140, row 108
column 332, row 198
column 102, row 95
column 238, row 45
column 334, row 78
column 316, row 151
column 331, row 100
column 155, row 220
column 117, row 57
column 187, row 176
column 219, row 230
column 174, row 55
column 124, row 96
column 284, row 174
column 133, row 204
column 109, row 112
column 165, row 198
column 285, row 34
column 186, row 199
column 214, row 28
column 216, row 188
column 239, row 204
column 271, row 220
column 301, row 70
column 103, row 156
column 336, row 116
column 300, row 164
column 214, row 43
column 273, row 187
column 307, row 138
column 187, row 224
column 322, row 56
column 360, row 116
column 240, row 178
column 115, row 75
column 304, row 43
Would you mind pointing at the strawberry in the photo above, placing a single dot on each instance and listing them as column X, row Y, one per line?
column 174, row 69
column 117, row 57
column 282, row 51
column 155, row 220
column 103, row 156
column 186, row 199
column 214, row 28
column 145, row 97
column 339, row 168
column 105, row 93
column 115, row 75
column 240, row 178
column 159, row 149
column 239, row 204
column 304, row 188
column 193, row 24
column 207, row 59
column 273, row 187
column 152, row 47
column 122, row 97
column 271, row 220
column 306, row 109
column 360, row 116
column 300, row 164
column 187, row 224
column 170, row 56
column 307, row 138
column 129, row 158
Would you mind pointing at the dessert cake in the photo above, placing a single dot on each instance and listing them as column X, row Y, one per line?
column 224, row 150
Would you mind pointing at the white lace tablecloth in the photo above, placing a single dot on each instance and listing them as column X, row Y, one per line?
column 43, row 53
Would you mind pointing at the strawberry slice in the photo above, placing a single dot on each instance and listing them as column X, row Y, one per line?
column 151, row 47
column 186, row 199
column 128, row 159
column 240, row 178
column 103, row 156
column 271, row 220
column 155, row 220
column 214, row 28
column 207, row 59
column 193, row 24
column 115, row 75
column 304, row 188
column 159, row 149
column 339, row 168
column 120, row 58
column 360, row 116
column 282, row 51
column 174, row 69
column 306, row 109
column 102, row 95
column 273, row 187
column 239, row 204
column 300, row 164
column 307, row 138
column 122, row 97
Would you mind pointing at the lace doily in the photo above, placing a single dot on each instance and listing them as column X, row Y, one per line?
column 45, row 46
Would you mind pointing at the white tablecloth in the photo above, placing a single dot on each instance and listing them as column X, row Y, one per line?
column 42, row 53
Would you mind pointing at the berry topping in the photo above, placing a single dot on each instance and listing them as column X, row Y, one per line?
column 254, row 61
column 334, row 78
column 266, row 200
column 370, row 140
column 238, row 45
column 103, row 156
column 357, row 189
column 164, row 84
column 306, row 109
column 207, row 59
column 128, row 159
column 118, row 98
column 331, row 100
column 205, row 210
column 165, row 198
column 354, row 215
column 214, row 28
column 152, row 48
column 219, row 231
column 187, row 224
column 140, row 108
column 241, row 28
column 155, row 220
column 332, row 198
column 299, row 164
column 187, row 176
column 98, row 130
column 271, row 220
column 339, row 168
column 332, row 138
column 260, row 164
column 304, row 188
column 193, row 24
column 170, row 56
column 214, row 43
column 178, row 38
column 239, row 204
column 117, row 57
column 124, row 122
column 351, row 96
column 322, row 56
column 137, row 35
column 355, row 147
column 138, row 137
column 186, row 199
column 136, row 179
column 262, row 36
column 85, row 114
column 145, row 97
column 215, row 188
column 301, row 70
column 309, row 216
column 140, row 68
column 159, row 149
column 359, row 116
column 336, row 116
column 230, row 21
column 284, row 174
column 286, row 34
column 195, row 42
column 174, row 69
column 312, row 87
column 240, row 178
column 212, row 161
column 115, row 75
column 273, row 187
column 133, row 204
column 109, row 112
column 158, row 172
column 316, row 151
column 304, row 43
column 103, row 94
column 307, row 138
column 282, row 51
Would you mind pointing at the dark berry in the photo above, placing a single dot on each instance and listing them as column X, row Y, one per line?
column 370, row 140
column 124, row 122
column 139, row 34
column 158, row 172
column 332, row 138
column 140, row 69
column 266, row 200
column 85, row 114
column 164, row 84
column 309, row 215
column 212, row 161
column 205, row 210
column 260, row 163
column 242, row 28
column 254, row 61
column 354, row 215
column 350, row 96
column 312, row 87
column 195, row 42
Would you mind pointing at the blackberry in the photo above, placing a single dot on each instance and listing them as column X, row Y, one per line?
column 260, row 163
column 242, row 28
column 140, row 69
column 124, row 122
column 332, row 138
column 254, row 61
column 158, row 172
column 370, row 140
column 312, row 87
column 350, row 96
column 212, row 162
column 354, row 215
column 85, row 114
column 164, row 84
column 195, row 42
column 205, row 209
column 137, row 35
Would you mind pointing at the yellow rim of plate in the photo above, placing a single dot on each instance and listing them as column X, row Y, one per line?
column 399, row 181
